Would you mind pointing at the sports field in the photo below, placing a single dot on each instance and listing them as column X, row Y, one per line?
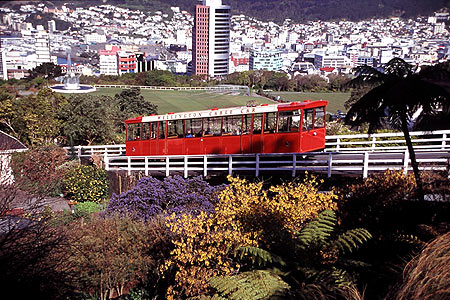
column 335, row 100
column 177, row 101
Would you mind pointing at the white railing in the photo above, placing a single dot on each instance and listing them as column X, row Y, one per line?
column 276, row 163
column 176, row 88
column 393, row 142
column 427, row 141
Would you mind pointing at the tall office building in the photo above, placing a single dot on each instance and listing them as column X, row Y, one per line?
column 42, row 46
column 211, row 39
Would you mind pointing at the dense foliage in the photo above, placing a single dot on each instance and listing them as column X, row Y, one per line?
column 151, row 197
column 86, row 183
column 40, row 170
column 246, row 215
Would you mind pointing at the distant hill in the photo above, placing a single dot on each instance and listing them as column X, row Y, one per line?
column 278, row 10
column 305, row 10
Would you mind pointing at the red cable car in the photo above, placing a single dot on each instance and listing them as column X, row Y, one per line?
column 267, row 128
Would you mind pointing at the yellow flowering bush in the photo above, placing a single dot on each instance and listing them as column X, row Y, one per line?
column 205, row 243
column 86, row 183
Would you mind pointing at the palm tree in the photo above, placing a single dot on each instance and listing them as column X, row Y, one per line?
column 397, row 94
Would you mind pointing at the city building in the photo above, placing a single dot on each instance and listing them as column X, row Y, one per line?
column 51, row 26
column 95, row 38
column 335, row 61
column 3, row 68
column 108, row 61
column 126, row 62
column 211, row 39
column 266, row 59
column 144, row 63
column 42, row 46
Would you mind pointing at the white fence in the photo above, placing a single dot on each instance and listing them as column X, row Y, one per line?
column 359, row 154
column 392, row 142
column 428, row 141
column 217, row 88
column 276, row 163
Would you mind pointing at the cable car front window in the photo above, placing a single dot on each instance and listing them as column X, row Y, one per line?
column 307, row 119
column 288, row 121
column 134, row 132
column 319, row 117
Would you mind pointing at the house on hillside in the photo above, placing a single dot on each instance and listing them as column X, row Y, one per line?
column 8, row 145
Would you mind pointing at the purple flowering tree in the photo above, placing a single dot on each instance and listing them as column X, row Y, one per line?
column 176, row 194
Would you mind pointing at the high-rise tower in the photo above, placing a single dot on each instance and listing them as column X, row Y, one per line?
column 211, row 39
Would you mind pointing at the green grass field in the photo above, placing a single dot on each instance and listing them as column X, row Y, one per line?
column 335, row 100
column 178, row 101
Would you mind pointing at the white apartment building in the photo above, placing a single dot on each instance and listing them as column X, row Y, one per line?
column 108, row 61
column 42, row 46
column 51, row 26
column 3, row 68
column 95, row 38
column 334, row 61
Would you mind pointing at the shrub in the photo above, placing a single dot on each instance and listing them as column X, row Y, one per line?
column 245, row 215
column 176, row 194
column 86, row 183
column 39, row 171
column 107, row 256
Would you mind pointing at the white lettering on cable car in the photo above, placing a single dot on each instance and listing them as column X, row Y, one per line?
column 212, row 113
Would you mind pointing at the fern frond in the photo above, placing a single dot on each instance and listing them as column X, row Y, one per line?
column 260, row 256
column 319, row 230
column 351, row 239
column 252, row 285
column 408, row 239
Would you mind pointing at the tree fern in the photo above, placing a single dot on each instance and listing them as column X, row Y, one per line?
column 319, row 230
column 351, row 239
column 252, row 285
column 260, row 256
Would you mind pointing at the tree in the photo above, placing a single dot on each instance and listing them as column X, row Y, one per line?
column 88, row 119
column 132, row 104
column 47, row 70
column 399, row 93
column 35, row 117
column 6, row 112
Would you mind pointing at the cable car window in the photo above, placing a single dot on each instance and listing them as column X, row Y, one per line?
column 162, row 131
column 175, row 129
column 193, row 128
column 319, row 117
column 270, row 123
column 288, row 121
column 232, row 125
column 307, row 119
column 133, row 132
column 212, row 126
column 153, row 130
column 257, row 123
column 246, row 124
column 145, row 131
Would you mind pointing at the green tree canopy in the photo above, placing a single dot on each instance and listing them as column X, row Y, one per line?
column 35, row 118
column 88, row 119
column 47, row 70
column 132, row 103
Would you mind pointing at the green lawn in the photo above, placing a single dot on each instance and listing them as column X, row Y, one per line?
column 336, row 100
column 178, row 101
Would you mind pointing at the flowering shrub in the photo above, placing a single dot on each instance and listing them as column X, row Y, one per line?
column 242, row 217
column 176, row 194
column 86, row 183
